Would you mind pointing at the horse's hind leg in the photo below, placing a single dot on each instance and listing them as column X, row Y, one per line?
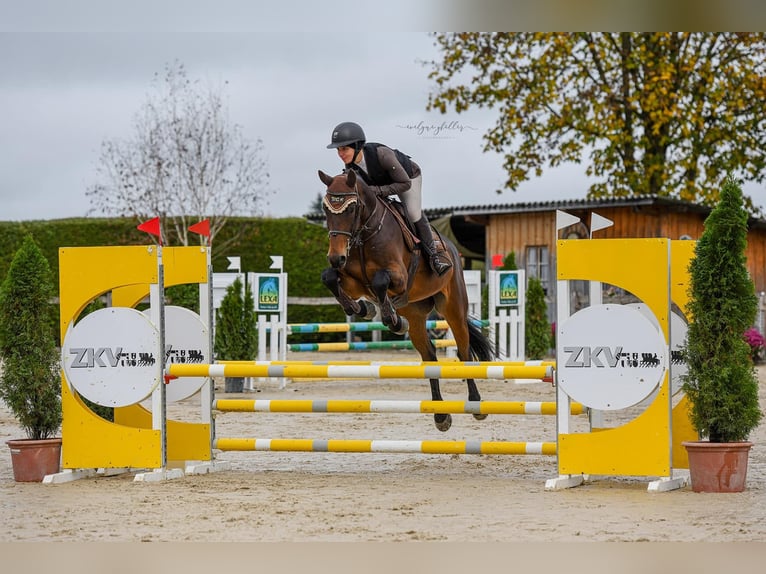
column 442, row 421
column 416, row 315
column 457, row 318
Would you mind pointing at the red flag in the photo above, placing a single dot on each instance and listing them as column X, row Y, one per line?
column 201, row 228
column 497, row 260
column 153, row 227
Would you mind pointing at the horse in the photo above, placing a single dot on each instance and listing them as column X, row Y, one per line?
column 375, row 261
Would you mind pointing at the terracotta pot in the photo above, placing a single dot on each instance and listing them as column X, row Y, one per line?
column 717, row 467
column 33, row 459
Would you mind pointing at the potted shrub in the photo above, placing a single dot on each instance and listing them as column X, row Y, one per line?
column 235, row 330
column 30, row 383
column 721, row 381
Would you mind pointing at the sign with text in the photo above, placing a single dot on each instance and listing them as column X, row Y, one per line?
column 110, row 357
column 507, row 288
column 268, row 292
column 610, row 357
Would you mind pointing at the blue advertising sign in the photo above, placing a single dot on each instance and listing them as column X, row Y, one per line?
column 508, row 288
column 268, row 293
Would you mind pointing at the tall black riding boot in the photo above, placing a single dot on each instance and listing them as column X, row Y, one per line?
column 438, row 263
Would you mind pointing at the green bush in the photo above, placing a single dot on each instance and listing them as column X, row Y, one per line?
column 186, row 296
column 235, row 325
column 30, row 383
column 509, row 262
column 721, row 382
column 537, row 331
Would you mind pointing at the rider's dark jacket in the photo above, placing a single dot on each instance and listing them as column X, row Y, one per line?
column 388, row 170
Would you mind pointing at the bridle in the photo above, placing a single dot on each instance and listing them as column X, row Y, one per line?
column 338, row 202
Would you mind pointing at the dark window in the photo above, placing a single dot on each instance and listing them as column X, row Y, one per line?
column 538, row 264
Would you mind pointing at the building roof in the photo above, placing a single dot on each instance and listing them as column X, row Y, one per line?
column 465, row 226
column 538, row 206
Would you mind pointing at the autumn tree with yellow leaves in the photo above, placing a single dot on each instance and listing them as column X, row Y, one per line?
column 666, row 114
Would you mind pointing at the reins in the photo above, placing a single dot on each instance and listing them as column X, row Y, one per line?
column 338, row 202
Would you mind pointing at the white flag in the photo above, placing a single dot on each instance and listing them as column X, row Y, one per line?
column 234, row 263
column 564, row 219
column 598, row 222
column 276, row 262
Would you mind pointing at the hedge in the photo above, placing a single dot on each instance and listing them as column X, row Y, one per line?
column 303, row 246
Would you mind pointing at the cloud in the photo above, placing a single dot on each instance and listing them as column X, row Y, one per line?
column 66, row 93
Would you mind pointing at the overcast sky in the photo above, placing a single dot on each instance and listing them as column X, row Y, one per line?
column 63, row 93
column 73, row 74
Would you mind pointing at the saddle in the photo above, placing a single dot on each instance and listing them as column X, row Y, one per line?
column 411, row 240
column 396, row 208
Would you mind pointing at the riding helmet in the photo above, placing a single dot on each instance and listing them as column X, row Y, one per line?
column 346, row 134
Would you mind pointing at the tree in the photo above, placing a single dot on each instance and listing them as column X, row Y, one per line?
column 509, row 262
column 665, row 114
column 29, row 379
column 721, row 381
column 235, row 324
column 537, row 334
column 316, row 205
column 185, row 162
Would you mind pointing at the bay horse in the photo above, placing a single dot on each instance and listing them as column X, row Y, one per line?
column 375, row 262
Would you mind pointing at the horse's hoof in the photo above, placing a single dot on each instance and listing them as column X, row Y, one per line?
column 480, row 417
column 368, row 311
column 443, row 422
column 404, row 326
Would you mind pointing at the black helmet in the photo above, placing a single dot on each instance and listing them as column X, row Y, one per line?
column 346, row 134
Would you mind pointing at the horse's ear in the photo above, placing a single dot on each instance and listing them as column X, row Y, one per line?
column 326, row 179
column 351, row 178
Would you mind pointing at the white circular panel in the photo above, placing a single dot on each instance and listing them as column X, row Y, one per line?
column 678, row 330
column 678, row 367
column 111, row 357
column 609, row 357
column 186, row 341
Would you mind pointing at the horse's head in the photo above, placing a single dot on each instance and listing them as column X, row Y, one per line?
column 343, row 209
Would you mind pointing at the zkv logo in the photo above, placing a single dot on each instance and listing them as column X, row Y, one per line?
column 89, row 357
column 589, row 356
column 586, row 357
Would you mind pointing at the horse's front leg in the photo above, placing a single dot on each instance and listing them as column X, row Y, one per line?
column 391, row 319
column 360, row 308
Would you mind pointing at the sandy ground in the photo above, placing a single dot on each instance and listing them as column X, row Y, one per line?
column 301, row 497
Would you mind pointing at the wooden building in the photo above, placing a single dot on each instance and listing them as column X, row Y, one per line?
column 529, row 230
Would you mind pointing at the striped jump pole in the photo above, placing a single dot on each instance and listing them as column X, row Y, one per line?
column 445, row 371
column 363, row 326
column 365, row 345
column 439, row 363
column 392, row 406
column 385, row 446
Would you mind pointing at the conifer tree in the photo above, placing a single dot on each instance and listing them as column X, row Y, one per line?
column 30, row 382
column 235, row 335
column 721, row 382
column 537, row 334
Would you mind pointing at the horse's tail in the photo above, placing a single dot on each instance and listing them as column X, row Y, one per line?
column 479, row 346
